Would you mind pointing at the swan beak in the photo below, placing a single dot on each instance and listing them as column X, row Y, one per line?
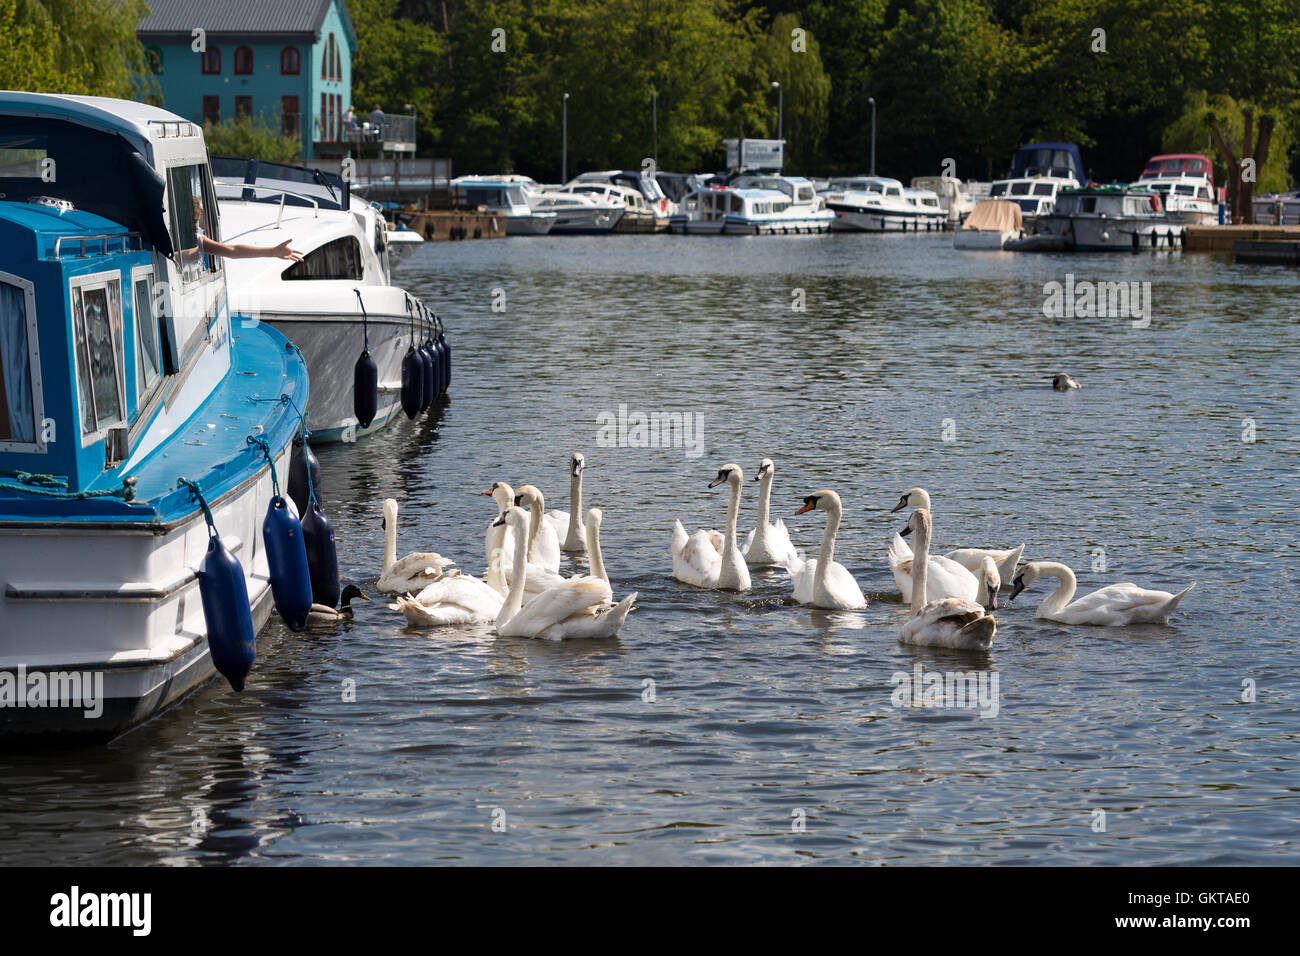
column 501, row 520
column 993, row 600
column 716, row 481
column 902, row 503
column 487, row 492
column 806, row 507
column 907, row 529
column 1016, row 587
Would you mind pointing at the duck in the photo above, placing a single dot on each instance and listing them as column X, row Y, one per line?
column 579, row 607
column 707, row 559
column 454, row 598
column 951, row 622
column 1063, row 382
column 322, row 615
column 768, row 544
column 824, row 582
column 413, row 571
column 543, row 542
column 568, row 525
column 969, row 558
column 1115, row 605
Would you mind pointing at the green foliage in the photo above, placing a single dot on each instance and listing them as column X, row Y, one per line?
column 1190, row 133
column 398, row 61
column 251, row 137
column 96, row 51
column 27, row 55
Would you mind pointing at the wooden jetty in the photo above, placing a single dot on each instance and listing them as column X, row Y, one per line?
column 446, row 224
column 1281, row 252
column 1223, row 238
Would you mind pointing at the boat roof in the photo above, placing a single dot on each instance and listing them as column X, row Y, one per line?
column 139, row 122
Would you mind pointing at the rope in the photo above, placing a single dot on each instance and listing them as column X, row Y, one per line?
column 41, row 485
column 410, row 318
column 365, row 321
column 265, row 445
column 197, row 493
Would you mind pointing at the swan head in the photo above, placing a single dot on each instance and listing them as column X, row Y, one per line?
column 501, row 493
column 1063, row 382
column 991, row 580
column 730, row 473
column 765, row 469
column 1025, row 577
column 915, row 497
column 594, row 517
column 514, row 517
column 824, row 500
column 390, row 514
column 920, row 523
column 576, row 464
column 529, row 495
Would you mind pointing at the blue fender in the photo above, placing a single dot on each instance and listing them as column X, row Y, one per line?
column 286, row 555
column 224, row 594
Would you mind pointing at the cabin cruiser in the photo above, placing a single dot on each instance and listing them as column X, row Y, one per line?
column 1101, row 218
column 338, row 301
column 123, row 373
column 702, row 212
column 803, row 209
column 991, row 224
column 952, row 195
column 638, row 215
column 501, row 197
column 1036, row 196
column 1048, row 161
column 753, row 206
column 644, row 183
column 401, row 240
column 1185, row 184
column 578, row 213
column 877, row 204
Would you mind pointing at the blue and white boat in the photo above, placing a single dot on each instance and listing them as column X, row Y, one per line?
column 776, row 205
column 881, row 204
column 122, row 371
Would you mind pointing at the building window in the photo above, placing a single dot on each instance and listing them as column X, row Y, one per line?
column 243, row 60
column 290, row 61
column 243, row 106
column 211, row 61
column 212, row 109
column 289, row 116
column 153, row 59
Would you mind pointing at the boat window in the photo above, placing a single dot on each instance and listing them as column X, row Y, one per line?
column 484, row 197
column 1203, row 192
column 1088, row 204
column 737, row 204
column 192, row 204
column 146, row 339
column 1186, row 190
column 805, row 193
column 338, row 259
column 17, row 414
column 516, row 196
column 1042, row 189
column 998, row 189
column 97, row 334
column 1020, row 189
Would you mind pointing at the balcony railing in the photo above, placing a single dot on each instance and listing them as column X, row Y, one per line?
column 395, row 134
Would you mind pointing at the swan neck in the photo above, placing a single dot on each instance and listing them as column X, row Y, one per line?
column 764, row 499
column 920, row 568
column 1055, row 602
column 733, row 515
column 390, row 543
column 827, row 553
column 575, row 505
column 515, row 598
column 534, row 528
column 593, row 552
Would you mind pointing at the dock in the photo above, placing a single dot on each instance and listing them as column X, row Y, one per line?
column 1280, row 252
column 443, row 224
column 1223, row 238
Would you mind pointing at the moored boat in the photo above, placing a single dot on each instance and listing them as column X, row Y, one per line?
column 1185, row 184
column 1111, row 218
column 877, row 204
column 991, row 224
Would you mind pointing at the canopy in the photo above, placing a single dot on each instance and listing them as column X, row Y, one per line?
column 994, row 215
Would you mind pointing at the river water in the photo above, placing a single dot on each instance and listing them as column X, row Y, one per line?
column 723, row 728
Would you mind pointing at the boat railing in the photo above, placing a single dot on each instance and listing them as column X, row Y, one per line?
column 283, row 193
column 123, row 239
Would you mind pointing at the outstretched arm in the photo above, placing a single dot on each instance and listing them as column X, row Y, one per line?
column 239, row 251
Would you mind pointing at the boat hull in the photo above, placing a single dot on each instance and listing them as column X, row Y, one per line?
column 1111, row 234
column 981, row 239
column 736, row 226
column 535, row 225
column 858, row 219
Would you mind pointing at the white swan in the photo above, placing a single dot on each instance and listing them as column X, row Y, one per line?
column 1113, row 605
column 990, row 582
column 568, row 524
column 499, row 541
column 578, row 608
column 969, row 558
column 705, row 561
column 454, row 598
column 767, row 544
column 413, row 571
column 543, row 542
column 823, row 581
column 945, row 577
column 947, row 622
column 592, row 537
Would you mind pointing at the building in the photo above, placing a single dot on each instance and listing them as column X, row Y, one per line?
column 288, row 61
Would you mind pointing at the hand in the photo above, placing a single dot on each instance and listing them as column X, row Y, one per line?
column 282, row 251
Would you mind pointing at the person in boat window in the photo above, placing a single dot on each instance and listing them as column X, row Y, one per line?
column 210, row 247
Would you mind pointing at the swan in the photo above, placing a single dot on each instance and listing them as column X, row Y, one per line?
column 413, row 571
column 499, row 542
column 990, row 582
column 1113, row 605
column 322, row 615
column 1063, row 382
column 567, row 524
column 950, row 621
column 594, row 517
column 543, row 542
column 578, row 608
column 707, row 560
column 823, row 581
column 969, row 558
column 945, row 577
column 454, row 598
column 767, row 544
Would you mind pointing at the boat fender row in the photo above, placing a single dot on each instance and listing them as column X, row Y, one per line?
column 426, row 367
column 304, row 474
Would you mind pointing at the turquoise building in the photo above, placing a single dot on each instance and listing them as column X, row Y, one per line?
column 288, row 61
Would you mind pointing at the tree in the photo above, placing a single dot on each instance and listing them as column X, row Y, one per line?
column 97, row 52
column 398, row 61
column 27, row 55
column 251, row 138
column 1193, row 132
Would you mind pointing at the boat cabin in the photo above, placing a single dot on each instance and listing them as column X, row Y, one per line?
column 1053, row 160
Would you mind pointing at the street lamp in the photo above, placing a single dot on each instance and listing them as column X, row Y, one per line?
column 654, row 123
column 780, row 117
column 872, row 101
column 564, row 138
column 415, row 123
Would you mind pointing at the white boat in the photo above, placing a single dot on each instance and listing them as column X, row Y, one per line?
column 769, row 204
column 578, row 213
column 702, row 212
column 1035, row 195
column 991, row 224
column 124, row 371
column 647, row 186
column 952, row 194
column 501, row 197
column 1275, row 209
column 1185, row 184
column 317, row 303
column 1111, row 218
column 877, row 204
column 402, row 240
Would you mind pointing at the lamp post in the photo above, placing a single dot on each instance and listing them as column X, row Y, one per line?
column 564, row 138
column 415, row 124
column 780, row 117
column 654, row 123
column 872, row 101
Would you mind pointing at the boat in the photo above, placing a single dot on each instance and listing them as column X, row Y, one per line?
column 877, row 204
column 124, row 372
column 638, row 216
column 991, row 224
column 1035, row 195
column 1105, row 218
column 338, row 301
column 953, row 195
column 577, row 213
column 1276, row 209
column 1185, row 185
column 646, row 184
column 770, row 204
column 402, row 241
column 499, row 196
column 702, row 212
column 1039, row 171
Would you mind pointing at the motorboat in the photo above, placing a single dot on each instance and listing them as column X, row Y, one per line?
column 791, row 205
column 578, row 213
column 499, row 196
column 1276, row 209
column 1185, row 184
column 952, row 194
column 702, row 212
column 638, row 215
column 991, row 224
column 644, row 183
column 338, row 301
column 877, row 204
column 134, row 404
column 1105, row 218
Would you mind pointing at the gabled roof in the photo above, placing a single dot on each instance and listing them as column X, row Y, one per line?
column 299, row 19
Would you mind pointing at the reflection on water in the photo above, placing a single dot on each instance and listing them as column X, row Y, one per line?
column 697, row 734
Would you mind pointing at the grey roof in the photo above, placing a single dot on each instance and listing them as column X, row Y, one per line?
column 276, row 17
